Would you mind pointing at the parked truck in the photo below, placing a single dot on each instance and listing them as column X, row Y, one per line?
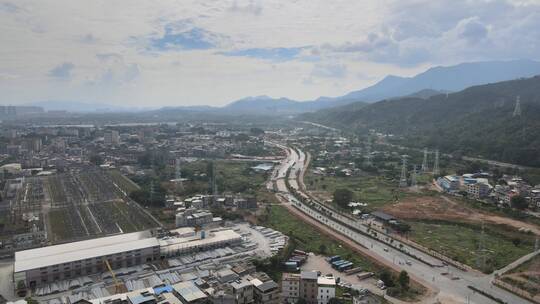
column 337, row 263
column 364, row 275
column 353, row 270
column 333, row 259
column 345, row 266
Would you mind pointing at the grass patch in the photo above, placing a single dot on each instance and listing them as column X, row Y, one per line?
column 461, row 242
column 308, row 238
column 376, row 191
column 231, row 176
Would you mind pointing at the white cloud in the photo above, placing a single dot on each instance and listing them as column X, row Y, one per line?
column 172, row 52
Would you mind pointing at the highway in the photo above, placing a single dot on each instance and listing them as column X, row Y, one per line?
column 448, row 288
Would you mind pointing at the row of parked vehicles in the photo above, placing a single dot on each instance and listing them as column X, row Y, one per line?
column 297, row 259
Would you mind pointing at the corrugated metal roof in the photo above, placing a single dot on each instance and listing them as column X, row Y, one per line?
column 70, row 252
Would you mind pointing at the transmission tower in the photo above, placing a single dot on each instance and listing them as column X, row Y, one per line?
column 413, row 177
column 403, row 177
column 425, row 161
column 436, row 170
column 179, row 184
column 517, row 108
column 481, row 255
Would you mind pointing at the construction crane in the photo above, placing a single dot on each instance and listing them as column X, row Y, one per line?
column 117, row 284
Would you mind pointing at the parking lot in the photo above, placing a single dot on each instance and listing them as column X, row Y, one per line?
column 317, row 262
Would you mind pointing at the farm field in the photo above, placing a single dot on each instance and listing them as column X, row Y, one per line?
column 463, row 242
column 376, row 191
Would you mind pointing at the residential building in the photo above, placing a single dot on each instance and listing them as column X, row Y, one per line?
column 326, row 289
column 290, row 287
column 308, row 286
column 266, row 292
column 242, row 291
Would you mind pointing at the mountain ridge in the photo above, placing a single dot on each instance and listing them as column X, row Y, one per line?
column 475, row 121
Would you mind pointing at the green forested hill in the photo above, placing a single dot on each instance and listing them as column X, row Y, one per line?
column 477, row 121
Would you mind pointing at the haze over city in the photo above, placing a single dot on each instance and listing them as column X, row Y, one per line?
column 269, row 152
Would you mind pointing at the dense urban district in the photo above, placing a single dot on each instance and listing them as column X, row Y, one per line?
column 256, row 210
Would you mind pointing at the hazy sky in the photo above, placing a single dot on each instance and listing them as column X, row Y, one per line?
column 166, row 52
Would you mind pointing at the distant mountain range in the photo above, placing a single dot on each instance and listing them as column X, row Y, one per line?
column 477, row 121
column 434, row 81
column 447, row 79
column 437, row 80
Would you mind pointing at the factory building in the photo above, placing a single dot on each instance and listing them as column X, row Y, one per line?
column 41, row 266
column 66, row 261
column 173, row 246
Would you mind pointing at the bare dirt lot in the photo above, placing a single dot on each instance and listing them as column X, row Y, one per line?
column 444, row 208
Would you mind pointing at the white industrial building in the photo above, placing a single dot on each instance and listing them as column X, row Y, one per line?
column 65, row 261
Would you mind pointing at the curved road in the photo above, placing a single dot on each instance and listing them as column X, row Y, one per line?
column 425, row 269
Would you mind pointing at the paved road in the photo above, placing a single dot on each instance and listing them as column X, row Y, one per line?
column 452, row 286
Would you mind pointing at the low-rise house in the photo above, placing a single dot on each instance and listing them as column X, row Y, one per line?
column 326, row 289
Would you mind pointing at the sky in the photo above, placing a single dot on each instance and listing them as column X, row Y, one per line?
column 175, row 53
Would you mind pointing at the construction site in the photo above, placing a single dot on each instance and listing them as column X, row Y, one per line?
column 82, row 203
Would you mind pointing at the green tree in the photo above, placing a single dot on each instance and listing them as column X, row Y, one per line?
column 301, row 301
column 519, row 202
column 387, row 278
column 343, row 197
column 334, row 301
column 404, row 280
